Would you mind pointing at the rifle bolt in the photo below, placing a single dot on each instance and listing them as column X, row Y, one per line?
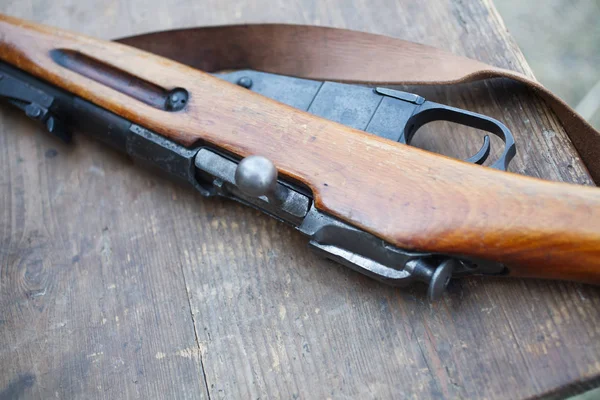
column 256, row 176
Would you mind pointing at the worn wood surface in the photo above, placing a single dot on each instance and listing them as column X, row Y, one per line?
column 116, row 283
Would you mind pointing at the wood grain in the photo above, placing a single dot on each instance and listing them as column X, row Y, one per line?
column 411, row 198
column 270, row 319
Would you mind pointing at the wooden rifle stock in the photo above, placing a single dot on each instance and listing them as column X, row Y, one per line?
column 411, row 198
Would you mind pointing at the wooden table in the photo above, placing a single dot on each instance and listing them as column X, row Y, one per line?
column 116, row 283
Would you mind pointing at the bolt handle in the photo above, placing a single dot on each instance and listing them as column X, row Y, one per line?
column 256, row 176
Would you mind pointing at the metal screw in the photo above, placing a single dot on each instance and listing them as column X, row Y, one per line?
column 51, row 125
column 245, row 82
column 440, row 279
column 177, row 99
column 33, row 111
column 437, row 277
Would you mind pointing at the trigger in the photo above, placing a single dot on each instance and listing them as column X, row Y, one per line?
column 482, row 154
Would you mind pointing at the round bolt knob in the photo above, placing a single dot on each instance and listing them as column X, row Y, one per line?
column 256, row 176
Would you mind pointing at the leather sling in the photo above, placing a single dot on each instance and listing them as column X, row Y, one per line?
column 348, row 56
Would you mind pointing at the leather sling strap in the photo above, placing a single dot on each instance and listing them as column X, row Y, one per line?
column 348, row 56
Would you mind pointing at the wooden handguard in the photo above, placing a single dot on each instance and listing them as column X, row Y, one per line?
column 413, row 199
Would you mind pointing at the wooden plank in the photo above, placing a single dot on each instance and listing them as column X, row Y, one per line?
column 209, row 290
column 92, row 304
column 89, row 305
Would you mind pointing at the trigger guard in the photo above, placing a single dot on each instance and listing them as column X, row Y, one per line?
column 429, row 111
column 482, row 154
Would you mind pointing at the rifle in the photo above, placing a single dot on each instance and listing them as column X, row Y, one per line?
column 332, row 159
